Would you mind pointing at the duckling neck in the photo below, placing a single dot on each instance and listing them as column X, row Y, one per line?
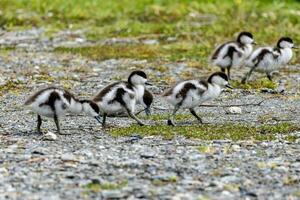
column 286, row 55
column 75, row 106
column 214, row 90
column 139, row 91
column 247, row 50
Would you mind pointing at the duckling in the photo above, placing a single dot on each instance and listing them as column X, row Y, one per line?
column 192, row 93
column 55, row 102
column 232, row 53
column 122, row 96
column 268, row 60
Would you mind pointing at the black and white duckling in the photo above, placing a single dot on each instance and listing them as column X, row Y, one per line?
column 268, row 59
column 122, row 96
column 192, row 93
column 55, row 102
column 232, row 53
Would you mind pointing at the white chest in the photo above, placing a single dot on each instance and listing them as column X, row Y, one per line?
column 286, row 56
column 139, row 92
column 213, row 92
column 247, row 50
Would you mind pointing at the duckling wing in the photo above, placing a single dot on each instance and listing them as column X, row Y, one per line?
column 99, row 97
column 220, row 51
column 35, row 95
column 147, row 98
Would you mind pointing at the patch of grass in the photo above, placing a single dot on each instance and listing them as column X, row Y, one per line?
column 169, row 180
column 115, row 51
column 289, row 180
column 178, row 117
column 254, row 84
column 167, row 52
column 232, row 187
column 233, row 132
column 196, row 25
column 207, row 149
column 97, row 187
column 44, row 77
column 11, row 87
column 297, row 193
column 6, row 48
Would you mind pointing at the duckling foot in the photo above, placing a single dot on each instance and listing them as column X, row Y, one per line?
column 244, row 80
column 170, row 122
column 141, row 124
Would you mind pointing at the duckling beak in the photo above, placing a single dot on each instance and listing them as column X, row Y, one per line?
column 148, row 111
column 254, row 43
column 98, row 118
column 229, row 86
column 295, row 47
column 148, row 83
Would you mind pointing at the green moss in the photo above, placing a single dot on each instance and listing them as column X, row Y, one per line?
column 169, row 180
column 196, row 25
column 211, row 132
column 97, row 187
column 11, row 87
column 44, row 77
column 160, row 117
column 8, row 48
column 297, row 193
column 206, row 149
column 255, row 84
column 115, row 51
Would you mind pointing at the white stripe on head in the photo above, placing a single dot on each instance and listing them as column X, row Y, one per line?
column 138, row 80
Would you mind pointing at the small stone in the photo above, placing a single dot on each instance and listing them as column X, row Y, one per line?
column 50, row 136
column 3, row 172
column 113, row 194
column 150, row 42
column 234, row 110
column 236, row 147
column 171, row 39
column 148, row 154
column 68, row 157
column 80, row 40
column 40, row 151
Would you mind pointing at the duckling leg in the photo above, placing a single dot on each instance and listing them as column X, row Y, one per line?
column 269, row 76
column 148, row 111
column 193, row 112
column 247, row 76
column 228, row 72
column 57, row 123
column 39, row 123
column 104, row 119
column 134, row 117
column 171, row 119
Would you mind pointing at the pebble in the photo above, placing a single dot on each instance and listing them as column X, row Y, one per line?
column 50, row 136
column 114, row 194
column 68, row 157
column 150, row 42
column 234, row 110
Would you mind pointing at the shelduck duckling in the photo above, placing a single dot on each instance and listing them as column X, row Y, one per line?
column 122, row 96
column 269, row 59
column 232, row 53
column 55, row 102
column 192, row 93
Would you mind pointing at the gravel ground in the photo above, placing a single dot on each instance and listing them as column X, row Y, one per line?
column 87, row 163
